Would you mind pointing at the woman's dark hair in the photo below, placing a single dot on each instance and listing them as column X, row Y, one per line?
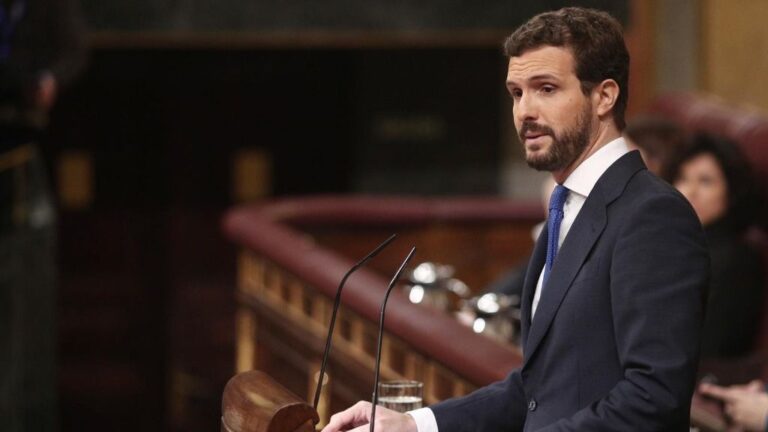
column 743, row 194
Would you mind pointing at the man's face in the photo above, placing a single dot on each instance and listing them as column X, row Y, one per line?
column 552, row 116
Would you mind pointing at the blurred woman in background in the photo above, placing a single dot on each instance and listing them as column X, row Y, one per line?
column 715, row 178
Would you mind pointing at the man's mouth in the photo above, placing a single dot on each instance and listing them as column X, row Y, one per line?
column 534, row 138
column 532, row 135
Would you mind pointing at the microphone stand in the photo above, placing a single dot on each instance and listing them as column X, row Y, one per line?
column 381, row 334
column 336, row 304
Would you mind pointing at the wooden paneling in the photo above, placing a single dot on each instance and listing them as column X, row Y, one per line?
column 479, row 253
column 294, row 338
column 639, row 37
column 734, row 52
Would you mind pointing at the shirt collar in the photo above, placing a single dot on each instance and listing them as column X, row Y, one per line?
column 586, row 175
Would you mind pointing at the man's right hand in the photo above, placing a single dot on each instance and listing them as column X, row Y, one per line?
column 357, row 419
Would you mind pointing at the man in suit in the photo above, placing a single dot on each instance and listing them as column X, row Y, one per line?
column 612, row 302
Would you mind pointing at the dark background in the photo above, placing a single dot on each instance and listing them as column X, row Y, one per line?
column 328, row 14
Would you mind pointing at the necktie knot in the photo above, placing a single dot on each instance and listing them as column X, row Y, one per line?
column 557, row 200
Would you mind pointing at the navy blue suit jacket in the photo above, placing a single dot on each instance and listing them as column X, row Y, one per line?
column 614, row 342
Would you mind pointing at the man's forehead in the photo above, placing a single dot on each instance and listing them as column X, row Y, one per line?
column 536, row 63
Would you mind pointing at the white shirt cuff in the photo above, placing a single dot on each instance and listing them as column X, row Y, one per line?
column 425, row 419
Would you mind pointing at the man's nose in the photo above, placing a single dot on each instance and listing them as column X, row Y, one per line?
column 525, row 109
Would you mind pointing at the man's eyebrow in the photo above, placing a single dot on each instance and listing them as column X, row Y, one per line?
column 543, row 77
column 539, row 77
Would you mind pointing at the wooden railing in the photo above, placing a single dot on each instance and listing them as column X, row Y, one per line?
column 293, row 254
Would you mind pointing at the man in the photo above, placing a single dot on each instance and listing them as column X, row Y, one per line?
column 612, row 301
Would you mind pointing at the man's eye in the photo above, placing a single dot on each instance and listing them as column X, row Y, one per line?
column 547, row 89
column 517, row 93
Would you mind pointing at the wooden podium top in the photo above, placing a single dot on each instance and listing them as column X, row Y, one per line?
column 254, row 402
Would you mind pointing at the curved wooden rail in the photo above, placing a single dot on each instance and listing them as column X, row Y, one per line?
column 290, row 266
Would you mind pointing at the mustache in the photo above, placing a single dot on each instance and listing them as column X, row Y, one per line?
column 530, row 126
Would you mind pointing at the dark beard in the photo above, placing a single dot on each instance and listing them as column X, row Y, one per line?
column 565, row 149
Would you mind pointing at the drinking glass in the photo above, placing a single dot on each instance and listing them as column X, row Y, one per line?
column 401, row 396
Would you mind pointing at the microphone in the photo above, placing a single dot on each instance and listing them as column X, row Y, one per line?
column 336, row 304
column 381, row 334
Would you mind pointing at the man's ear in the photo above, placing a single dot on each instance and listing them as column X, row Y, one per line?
column 606, row 94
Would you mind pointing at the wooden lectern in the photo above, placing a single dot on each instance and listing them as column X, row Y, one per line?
column 254, row 402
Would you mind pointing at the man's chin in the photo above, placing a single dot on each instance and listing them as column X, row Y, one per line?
column 542, row 162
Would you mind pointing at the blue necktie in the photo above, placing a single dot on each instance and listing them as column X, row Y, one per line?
column 556, row 202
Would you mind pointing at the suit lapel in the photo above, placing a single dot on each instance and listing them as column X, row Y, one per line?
column 582, row 236
column 584, row 232
column 532, row 273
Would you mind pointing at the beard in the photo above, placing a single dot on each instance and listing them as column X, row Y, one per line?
column 566, row 146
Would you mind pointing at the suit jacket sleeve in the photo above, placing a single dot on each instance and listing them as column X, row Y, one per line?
column 500, row 406
column 659, row 270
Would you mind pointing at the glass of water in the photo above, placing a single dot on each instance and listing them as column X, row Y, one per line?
column 401, row 396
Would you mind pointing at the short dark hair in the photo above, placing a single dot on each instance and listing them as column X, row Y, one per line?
column 745, row 198
column 596, row 40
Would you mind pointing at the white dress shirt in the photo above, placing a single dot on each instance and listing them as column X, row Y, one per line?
column 580, row 184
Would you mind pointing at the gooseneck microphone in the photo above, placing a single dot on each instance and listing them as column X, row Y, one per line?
column 336, row 304
column 381, row 334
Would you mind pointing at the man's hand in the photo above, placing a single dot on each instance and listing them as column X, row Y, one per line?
column 746, row 405
column 357, row 417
